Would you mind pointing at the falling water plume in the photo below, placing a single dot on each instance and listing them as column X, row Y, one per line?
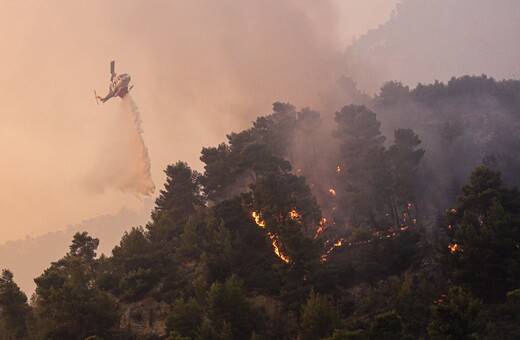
column 124, row 163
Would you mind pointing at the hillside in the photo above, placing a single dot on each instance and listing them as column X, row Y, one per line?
column 398, row 220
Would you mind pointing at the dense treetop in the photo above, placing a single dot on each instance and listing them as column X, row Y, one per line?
column 369, row 238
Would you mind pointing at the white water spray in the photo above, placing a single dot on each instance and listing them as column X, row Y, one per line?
column 124, row 163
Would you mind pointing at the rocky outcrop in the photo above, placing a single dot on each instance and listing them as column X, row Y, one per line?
column 145, row 317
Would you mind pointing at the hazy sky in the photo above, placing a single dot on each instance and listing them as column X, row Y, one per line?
column 201, row 69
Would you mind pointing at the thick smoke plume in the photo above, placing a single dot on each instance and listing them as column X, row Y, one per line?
column 125, row 164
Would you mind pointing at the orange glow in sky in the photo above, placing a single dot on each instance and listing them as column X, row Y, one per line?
column 200, row 69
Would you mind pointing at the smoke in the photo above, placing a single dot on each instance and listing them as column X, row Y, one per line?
column 124, row 163
column 201, row 69
column 427, row 40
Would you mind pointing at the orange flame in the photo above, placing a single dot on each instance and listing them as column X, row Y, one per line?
column 277, row 249
column 258, row 219
column 274, row 240
column 332, row 192
column 338, row 169
column 293, row 214
column 376, row 235
column 453, row 247
column 321, row 228
column 337, row 244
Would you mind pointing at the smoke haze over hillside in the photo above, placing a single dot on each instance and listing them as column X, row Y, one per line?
column 201, row 70
column 427, row 40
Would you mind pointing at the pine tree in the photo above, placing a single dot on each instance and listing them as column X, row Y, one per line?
column 14, row 310
column 459, row 317
column 319, row 317
column 68, row 303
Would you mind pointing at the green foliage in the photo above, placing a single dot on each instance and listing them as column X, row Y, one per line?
column 182, row 192
column 404, row 158
column 194, row 251
column 67, row 302
column 219, row 178
column 487, row 234
column 226, row 333
column 136, row 282
column 376, row 183
column 184, row 318
column 319, row 317
column 133, row 251
column 228, row 307
column 387, row 326
column 345, row 334
column 84, row 246
column 177, row 336
column 206, row 331
column 483, row 187
column 128, row 272
column 201, row 280
column 392, row 93
column 189, row 241
column 414, row 300
column 506, row 317
column 250, row 154
column 362, row 155
column 14, row 310
column 459, row 317
column 373, row 257
column 235, row 244
column 274, row 197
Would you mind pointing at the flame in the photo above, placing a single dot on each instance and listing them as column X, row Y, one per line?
column 376, row 235
column 338, row 169
column 293, row 214
column 258, row 219
column 339, row 243
column 277, row 249
column 332, row 192
column 453, row 247
column 274, row 239
column 321, row 228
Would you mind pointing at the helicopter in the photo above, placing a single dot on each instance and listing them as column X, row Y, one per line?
column 118, row 85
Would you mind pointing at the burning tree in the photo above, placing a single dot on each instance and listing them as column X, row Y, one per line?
column 362, row 155
column 277, row 197
column 404, row 157
column 485, row 226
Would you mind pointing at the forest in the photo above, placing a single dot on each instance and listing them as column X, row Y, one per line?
column 395, row 217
